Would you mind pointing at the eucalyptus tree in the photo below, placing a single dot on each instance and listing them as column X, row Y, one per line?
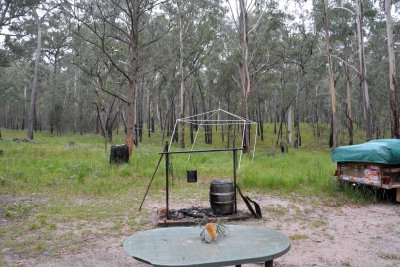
column 10, row 12
column 248, row 20
column 377, row 63
column 361, row 12
column 39, row 19
column 392, row 69
column 363, row 70
column 106, row 85
column 281, row 98
column 160, row 71
column 18, row 66
column 13, row 87
column 317, row 95
column 56, row 42
column 297, row 49
column 195, row 24
column 243, row 29
column 160, row 76
column 364, row 14
column 265, row 44
column 342, row 35
column 13, row 9
column 332, row 89
column 332, row 25
column 223, row 72
column 25, row 21
column 124, row 22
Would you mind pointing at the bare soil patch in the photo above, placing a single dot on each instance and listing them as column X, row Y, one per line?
column 322, row 235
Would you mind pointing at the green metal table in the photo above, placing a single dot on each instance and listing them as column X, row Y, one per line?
column 182, row 246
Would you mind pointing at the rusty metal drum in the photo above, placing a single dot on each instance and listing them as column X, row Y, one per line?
column 222, row 197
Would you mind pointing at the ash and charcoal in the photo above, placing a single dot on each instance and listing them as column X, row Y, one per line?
column 196, row 215
column 193, row 212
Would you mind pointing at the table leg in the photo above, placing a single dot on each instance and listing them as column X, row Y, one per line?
column 269, row 263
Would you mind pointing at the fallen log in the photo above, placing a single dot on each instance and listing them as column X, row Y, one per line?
column 17, row 139
column 25, row 140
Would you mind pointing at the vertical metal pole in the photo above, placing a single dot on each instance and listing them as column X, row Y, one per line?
column 234, row 177
column 166, row 183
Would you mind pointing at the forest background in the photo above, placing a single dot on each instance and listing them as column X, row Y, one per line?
column 94, row 67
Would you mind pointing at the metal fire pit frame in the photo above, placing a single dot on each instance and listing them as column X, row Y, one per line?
column 167, row 153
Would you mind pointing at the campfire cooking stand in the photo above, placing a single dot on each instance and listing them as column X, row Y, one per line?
column 167, row 153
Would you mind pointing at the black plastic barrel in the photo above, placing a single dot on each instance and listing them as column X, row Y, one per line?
column 222, row 197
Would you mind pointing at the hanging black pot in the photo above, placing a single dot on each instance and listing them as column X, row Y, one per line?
column 191, row 176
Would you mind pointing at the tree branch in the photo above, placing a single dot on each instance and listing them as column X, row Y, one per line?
column 344, row 62
column 233, row 15
column 346, row 9
column 114, row 95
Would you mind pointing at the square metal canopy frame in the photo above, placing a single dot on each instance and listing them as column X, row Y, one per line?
column 213, row 118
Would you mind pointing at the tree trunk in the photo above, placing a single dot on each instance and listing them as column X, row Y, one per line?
column 289, row 125
column 348, row 112
column 133, row 57
column 191, row 114
column 149, row 115
column 260, row 121
column 317, row 98
column 97, row 123
column 53, row 93
column 103, row 118
column 297, row 136
column 363, row 72
column 276, row 110
column 168, row 115
column 392, row 69
column 182, row 93
column 151, row 112
column 244, row 70
column 76, row 103
column 39, row 117
column 173, row 120
column 24, row 110
column 124, row 122
column 245, row 127
column 281, row 103
column 332, row 89
column 139, row 111
column 32, row 110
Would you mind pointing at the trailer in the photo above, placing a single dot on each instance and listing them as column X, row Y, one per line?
column 375, row 163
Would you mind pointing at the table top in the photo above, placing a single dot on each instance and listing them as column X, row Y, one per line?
column 182, row 246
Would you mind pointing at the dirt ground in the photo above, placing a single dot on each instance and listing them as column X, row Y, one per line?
column 322, row 235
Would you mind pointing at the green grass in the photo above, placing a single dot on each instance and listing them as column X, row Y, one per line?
column 298, row 237
column 390, row 256
column 301, row 171
column 54, row 197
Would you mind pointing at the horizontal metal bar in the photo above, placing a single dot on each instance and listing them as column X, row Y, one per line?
column 201, row 151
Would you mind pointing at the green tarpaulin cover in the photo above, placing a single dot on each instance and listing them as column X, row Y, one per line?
column 384, row 151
